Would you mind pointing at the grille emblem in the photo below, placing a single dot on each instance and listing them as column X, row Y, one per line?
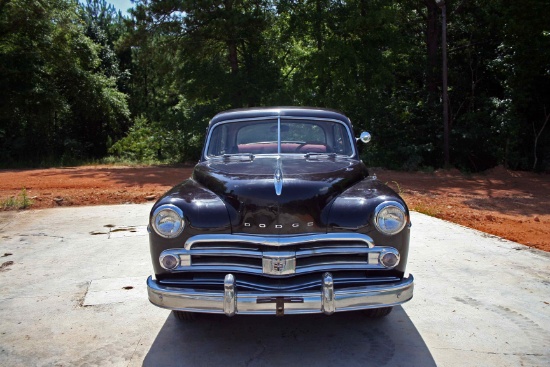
column 279, row 263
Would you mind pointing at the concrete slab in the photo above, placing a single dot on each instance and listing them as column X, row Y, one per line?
column 479, row 301
column 115, row 290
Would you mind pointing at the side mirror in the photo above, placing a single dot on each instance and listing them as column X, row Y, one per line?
column 365, row 137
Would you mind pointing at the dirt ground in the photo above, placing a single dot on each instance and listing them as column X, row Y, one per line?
column 509, row 204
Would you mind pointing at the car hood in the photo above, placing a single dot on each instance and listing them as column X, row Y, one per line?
column 279, row 195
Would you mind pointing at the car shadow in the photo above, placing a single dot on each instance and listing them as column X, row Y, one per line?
column 347, row 338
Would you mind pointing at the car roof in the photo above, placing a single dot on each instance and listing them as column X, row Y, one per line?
column 251, row 113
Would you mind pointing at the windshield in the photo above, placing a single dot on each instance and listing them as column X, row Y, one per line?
column 297, row 136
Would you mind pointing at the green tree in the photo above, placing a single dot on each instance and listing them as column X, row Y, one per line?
column 193, row 59
column 523, row 61
column 55, row 101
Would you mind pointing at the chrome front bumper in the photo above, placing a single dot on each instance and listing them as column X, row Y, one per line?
column 326, row 300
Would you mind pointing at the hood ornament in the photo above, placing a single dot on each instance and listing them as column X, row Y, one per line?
column 278, row 177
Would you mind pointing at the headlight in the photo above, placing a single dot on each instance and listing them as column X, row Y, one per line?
column 169, row 261
column 168, row 221
column 390, row 259
column 390, row 217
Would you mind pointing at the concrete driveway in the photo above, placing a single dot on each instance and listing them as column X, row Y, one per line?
column 72, row 293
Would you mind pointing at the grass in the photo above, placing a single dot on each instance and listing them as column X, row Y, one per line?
column 425, row 209
column 21, row 201
column 59, row 163
column 420, row 207
column 398, row 187
column 112, row 160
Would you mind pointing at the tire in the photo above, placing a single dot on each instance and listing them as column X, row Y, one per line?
column 184, row 316
column 377, row 312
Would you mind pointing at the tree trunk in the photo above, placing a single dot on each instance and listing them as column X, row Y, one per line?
column 233, row 58
column 433, row 32
column 318, row 33
column 546, row 118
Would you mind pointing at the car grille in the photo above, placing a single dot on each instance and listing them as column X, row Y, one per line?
column 312, row 253
column 351, row 258
column 324, row 256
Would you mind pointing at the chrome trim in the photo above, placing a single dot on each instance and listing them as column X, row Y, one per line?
column 258, row 270
column 365, row 137
column 246, row 303
column 185, row 260
column 278, row 176
column 278, row 241
column 265, row 284
column 279, row 263
column 328, row 304
column 386, row 204
column 287, row 262
column 334, row 251
column 373, row 257
column 271, row 255
column 229, row 295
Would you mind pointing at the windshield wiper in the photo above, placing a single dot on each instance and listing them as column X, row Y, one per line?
column 329, row 155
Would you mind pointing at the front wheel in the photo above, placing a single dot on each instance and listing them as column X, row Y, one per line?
column 377, row 312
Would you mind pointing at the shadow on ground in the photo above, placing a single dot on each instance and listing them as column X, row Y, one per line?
column 129, row 176
column 347, row 339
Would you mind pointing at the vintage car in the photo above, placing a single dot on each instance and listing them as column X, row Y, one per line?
column 280, row 217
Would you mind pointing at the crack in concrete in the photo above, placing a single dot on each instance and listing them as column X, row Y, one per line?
column 113, row 231
column 6, row 223
column 493, row 353
column 256, row 355
column 41, row 234
column 134, row 352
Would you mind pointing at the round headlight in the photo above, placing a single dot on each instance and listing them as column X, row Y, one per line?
column 169, row 261
column 390, row 259
column 390, row 217
column 168, row 221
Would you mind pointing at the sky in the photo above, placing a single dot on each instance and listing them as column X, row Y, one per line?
column 121, row 5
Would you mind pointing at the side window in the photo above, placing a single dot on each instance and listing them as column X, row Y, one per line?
column 341, row 140
column 338, row 139
column 218, row 141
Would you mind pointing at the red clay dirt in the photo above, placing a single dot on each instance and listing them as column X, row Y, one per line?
column 509, row 204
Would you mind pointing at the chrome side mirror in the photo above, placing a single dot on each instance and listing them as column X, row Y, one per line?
column 365, row 137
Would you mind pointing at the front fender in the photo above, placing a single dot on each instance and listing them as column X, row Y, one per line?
column 204, row 212
column 202, row 208
column 354, row 209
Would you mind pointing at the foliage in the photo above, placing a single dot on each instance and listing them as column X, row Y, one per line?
column 21, row 201
column 55, row 99
column 86, row 81
column 146, row 142
column 426, row 209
